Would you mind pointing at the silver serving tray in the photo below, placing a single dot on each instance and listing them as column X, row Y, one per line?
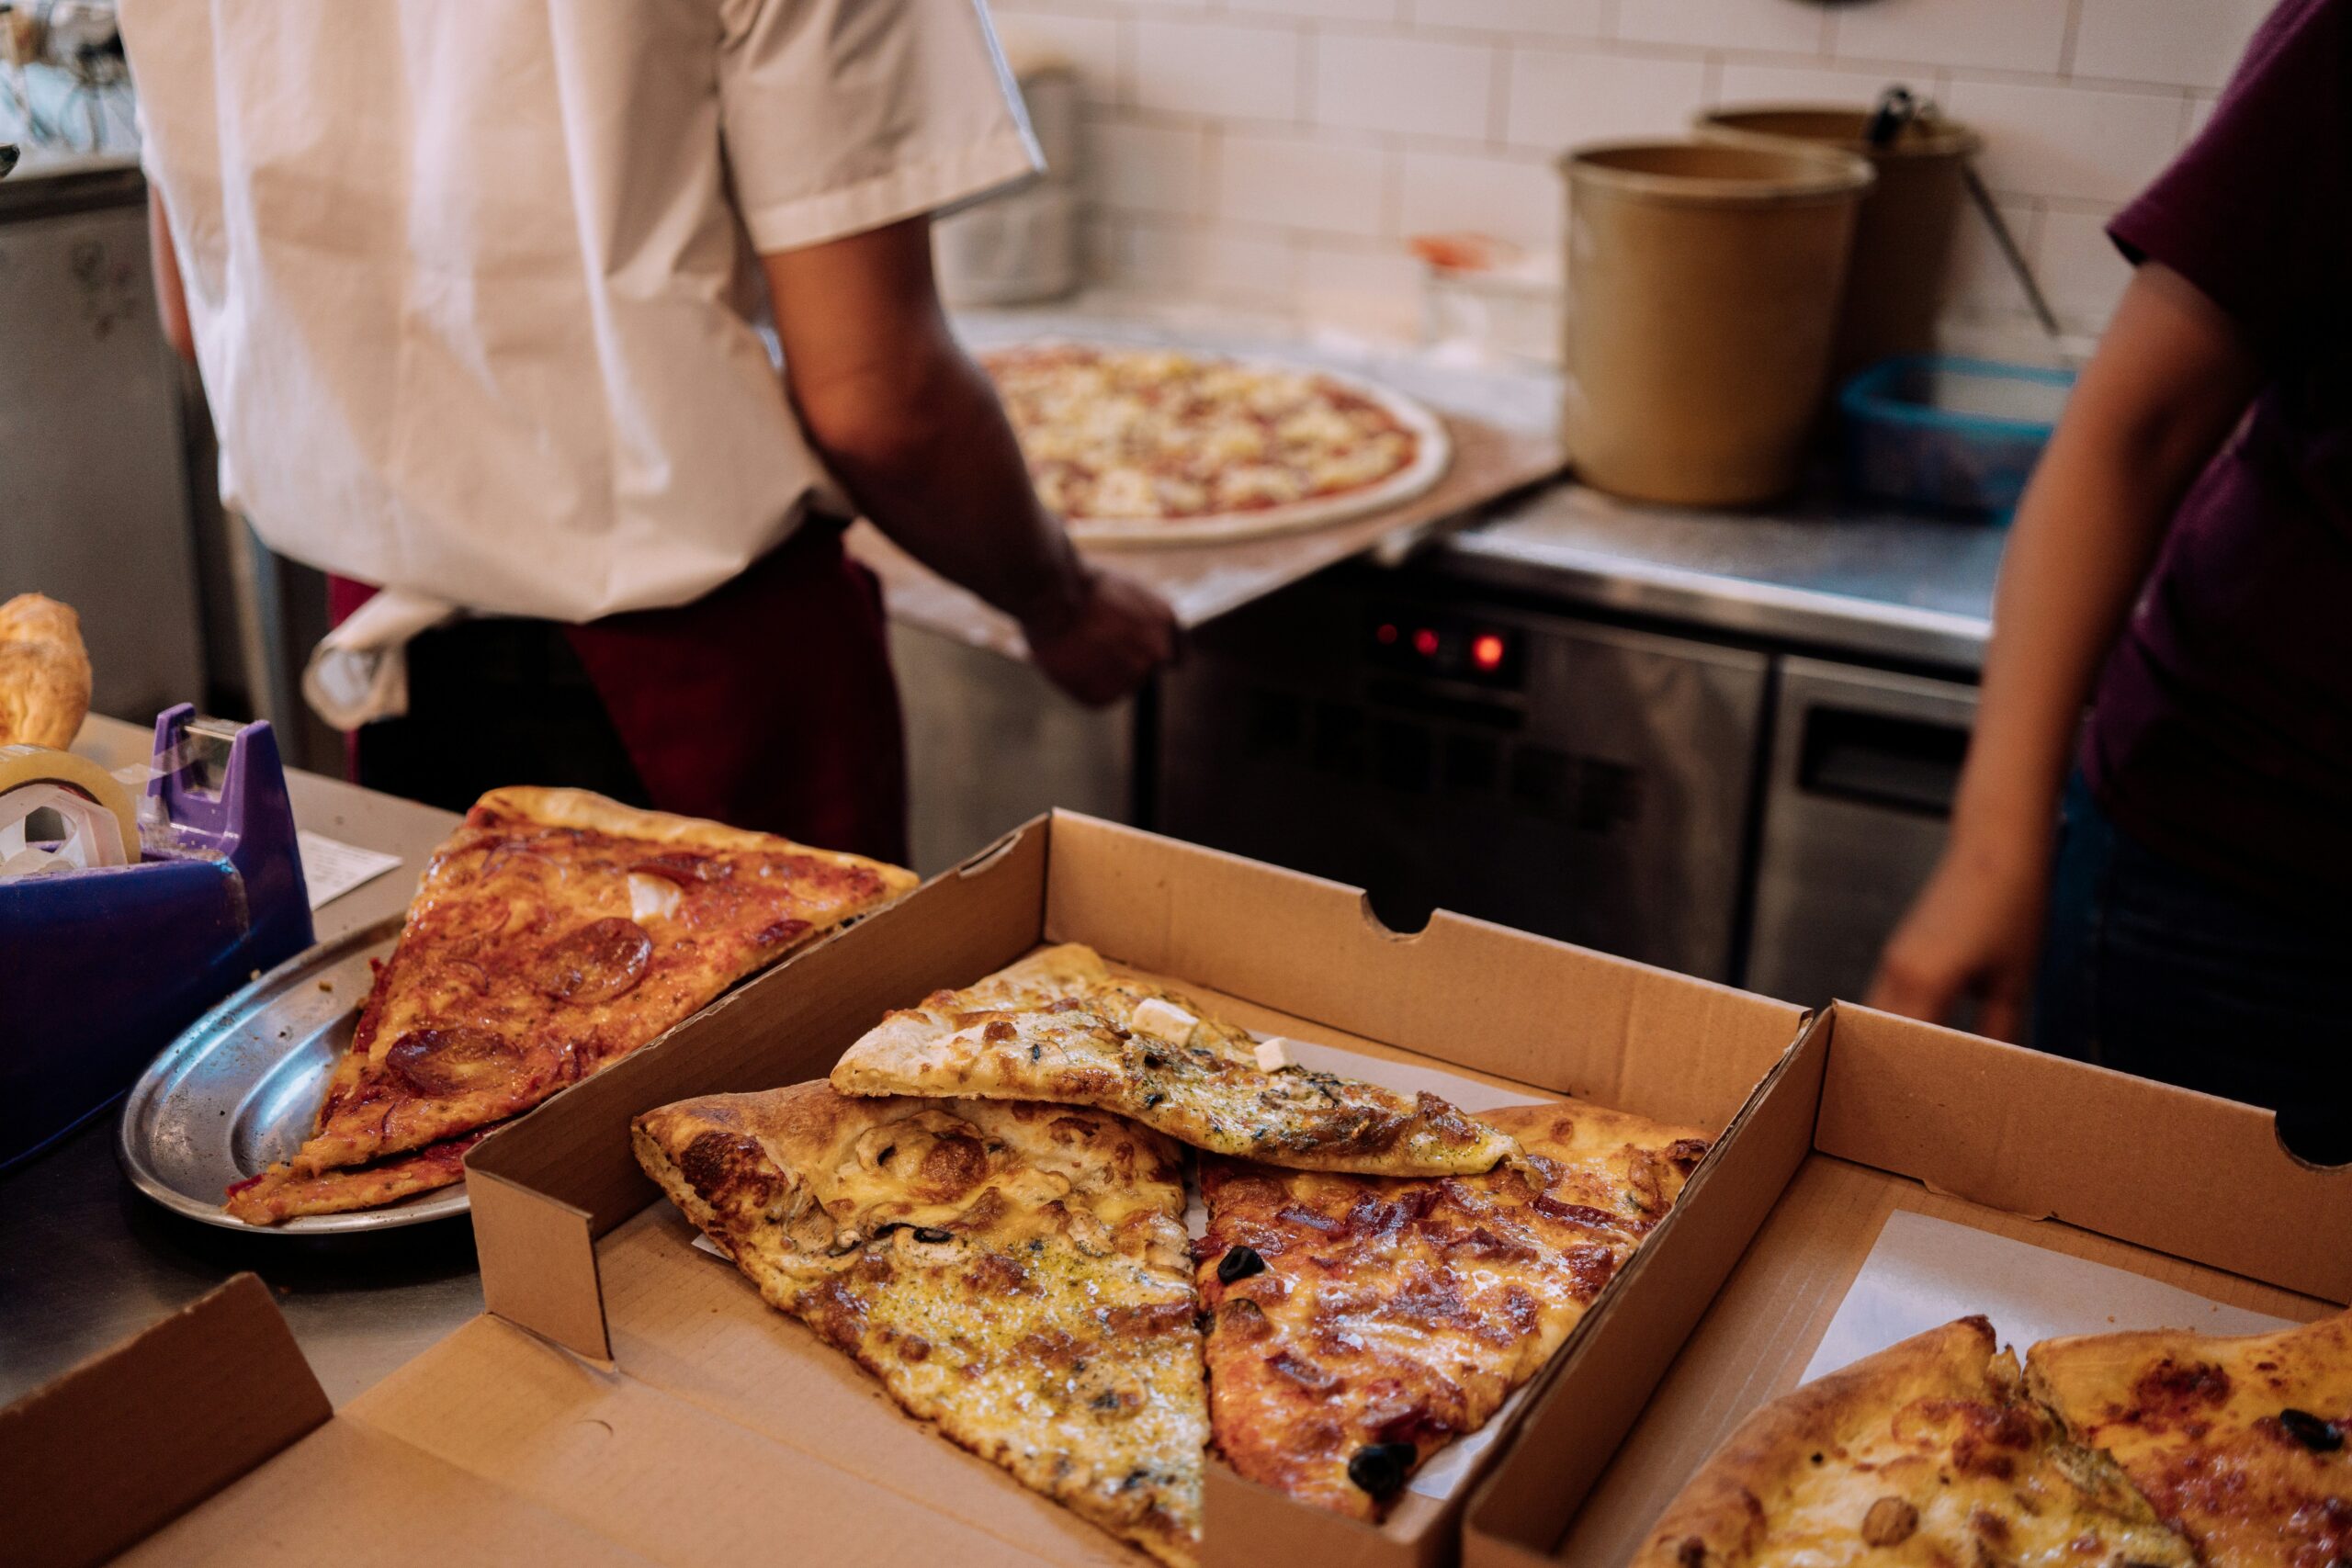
column 238, row 1091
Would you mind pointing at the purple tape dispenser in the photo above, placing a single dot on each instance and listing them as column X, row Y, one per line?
column 101, row 965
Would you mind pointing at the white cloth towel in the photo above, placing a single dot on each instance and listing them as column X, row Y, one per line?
column 359, row 670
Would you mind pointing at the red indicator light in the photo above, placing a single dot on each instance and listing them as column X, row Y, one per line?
column 1487, row 651
column 1425, row 643
column 1386, row 632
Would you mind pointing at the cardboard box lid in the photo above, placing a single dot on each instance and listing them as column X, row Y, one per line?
column 130, row 1438
column 2172, row 1185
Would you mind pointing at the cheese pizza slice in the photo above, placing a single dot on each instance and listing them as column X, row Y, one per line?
column 1929, row 1453
column 1058, row 1026
column 555, row 933
column 1015, row 1272
column 1359, row 1323
column 2245, row 1443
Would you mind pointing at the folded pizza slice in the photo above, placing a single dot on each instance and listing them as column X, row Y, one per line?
column 279, row 1194
column 555, row 933
column 1058, row 1026
column 1929, row 1452
column 2245, row 1442
column 1014, row 1272
column 1359, row 1323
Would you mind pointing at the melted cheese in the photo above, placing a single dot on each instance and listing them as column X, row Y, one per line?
column 1015, row 1273
column 1133, row 434
column 2199, row 1425
column 1405, row 1311
column 1096, row 1046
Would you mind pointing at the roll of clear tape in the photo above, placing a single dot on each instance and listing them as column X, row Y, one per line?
column 99, row 818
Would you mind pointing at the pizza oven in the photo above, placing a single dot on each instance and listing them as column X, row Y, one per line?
column 1441, row 746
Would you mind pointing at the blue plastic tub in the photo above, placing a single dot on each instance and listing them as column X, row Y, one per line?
column 1947, row 434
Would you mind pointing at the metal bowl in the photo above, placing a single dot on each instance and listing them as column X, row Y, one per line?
column 240, row 1089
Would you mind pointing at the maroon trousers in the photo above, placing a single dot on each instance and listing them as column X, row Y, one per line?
column 767, row 703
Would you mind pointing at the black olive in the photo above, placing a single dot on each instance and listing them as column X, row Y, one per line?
column 2315, row 1433
column 1379, row 1468
column 926, row 1233
column 1238, row 1263
column 1154, row 1098
column 1035, row 1052
column 884, row 1229
column 1152, row 1059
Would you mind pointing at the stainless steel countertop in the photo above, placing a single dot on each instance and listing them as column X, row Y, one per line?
column 85, row 1260
column 1876, row 585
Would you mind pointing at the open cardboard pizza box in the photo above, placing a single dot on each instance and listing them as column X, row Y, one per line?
column 1930, row 1174
column 628, row 1398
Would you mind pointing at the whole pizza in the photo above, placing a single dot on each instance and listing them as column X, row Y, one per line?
column 1159, row 447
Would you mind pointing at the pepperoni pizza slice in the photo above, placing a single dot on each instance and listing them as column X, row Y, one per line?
column 554, row 933
column 1014, row 1272
column 1357, row 1324
column 2243, row 1443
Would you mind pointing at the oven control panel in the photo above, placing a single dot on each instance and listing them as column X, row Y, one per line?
column 1420, row 641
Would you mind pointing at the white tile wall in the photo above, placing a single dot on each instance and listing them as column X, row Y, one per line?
column 1293, row 182
column 1559, row 98
column 1282, row 152
column 2007, row 35
column 1404, row 86
column 1217, row 69
column 2191, row 41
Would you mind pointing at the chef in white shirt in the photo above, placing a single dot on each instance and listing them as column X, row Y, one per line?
column 475, row 288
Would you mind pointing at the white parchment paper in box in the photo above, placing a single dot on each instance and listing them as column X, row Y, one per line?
column 1449, row 1469
column 1923, row 1272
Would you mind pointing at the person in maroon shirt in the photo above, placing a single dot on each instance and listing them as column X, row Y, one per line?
column 2195, row 912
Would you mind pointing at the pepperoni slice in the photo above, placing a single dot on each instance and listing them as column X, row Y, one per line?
column 602, row 959
column 451, row 1061
column 686, row 868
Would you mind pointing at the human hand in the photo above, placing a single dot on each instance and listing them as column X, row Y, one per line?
column 1120, row 632
column 1973, row 931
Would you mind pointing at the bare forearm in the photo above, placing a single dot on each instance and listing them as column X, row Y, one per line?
column 2078, row 551
column 944, row 478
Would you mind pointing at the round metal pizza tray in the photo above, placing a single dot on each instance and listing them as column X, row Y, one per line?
column 239, row 1086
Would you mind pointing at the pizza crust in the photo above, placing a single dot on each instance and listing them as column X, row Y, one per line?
column 1720, row 1506
column 595, row 813
column 1058, row 1027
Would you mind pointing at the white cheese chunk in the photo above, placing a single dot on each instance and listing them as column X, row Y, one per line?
column 1162, row 1019
column 650, row 895
column 1274, row 1055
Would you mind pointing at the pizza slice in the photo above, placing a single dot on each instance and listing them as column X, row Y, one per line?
column 1359, row 1323
column 2241, row 1442
column 1058, row 1026
column 1014, row 1272
column 555, row 933
column 1929, row 1453
column 278, row 1194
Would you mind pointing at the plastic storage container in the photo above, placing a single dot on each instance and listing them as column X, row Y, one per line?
column 1703, row 285
column 1947, row 434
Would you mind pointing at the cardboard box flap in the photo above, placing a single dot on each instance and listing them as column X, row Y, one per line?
column 563, row 1175
column 1573, row 1029
column 653, row 1474
column 2180, row 1173
column 1661, row 1296
column 134, row 1436
column 353, row 1495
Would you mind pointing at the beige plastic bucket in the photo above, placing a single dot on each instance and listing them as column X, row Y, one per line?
column 1703, row 285
column 1902, row 238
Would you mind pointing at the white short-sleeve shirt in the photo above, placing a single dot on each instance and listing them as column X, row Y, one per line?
column 473, row 282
